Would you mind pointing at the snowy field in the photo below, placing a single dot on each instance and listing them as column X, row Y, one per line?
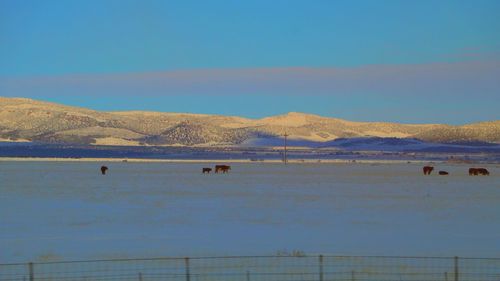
column 68, row 210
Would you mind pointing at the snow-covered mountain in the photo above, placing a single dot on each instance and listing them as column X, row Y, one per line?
column 30, row 120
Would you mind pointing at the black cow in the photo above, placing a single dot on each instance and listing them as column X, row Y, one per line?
column 104, row 169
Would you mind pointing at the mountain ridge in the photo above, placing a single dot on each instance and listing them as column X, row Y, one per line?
column 32, row 120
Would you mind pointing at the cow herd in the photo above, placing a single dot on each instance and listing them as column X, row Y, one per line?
column 472, row 171
column 426, row 169
column 218, row 169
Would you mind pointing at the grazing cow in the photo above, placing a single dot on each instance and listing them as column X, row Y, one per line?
column 478, row 171
column 104, row 169
column 428, row 170
column 206, row 170
column 222, row 168
column 443, row 173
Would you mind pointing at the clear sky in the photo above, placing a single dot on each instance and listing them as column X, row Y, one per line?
column 403, row 61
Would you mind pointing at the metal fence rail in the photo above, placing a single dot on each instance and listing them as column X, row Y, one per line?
column 261, row 268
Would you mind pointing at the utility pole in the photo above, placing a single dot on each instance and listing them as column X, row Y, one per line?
column 284, row 154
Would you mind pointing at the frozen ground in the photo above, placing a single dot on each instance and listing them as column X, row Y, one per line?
column 67, row 210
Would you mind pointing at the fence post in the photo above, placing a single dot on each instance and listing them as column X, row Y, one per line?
column 188, row 274
column 446, row 276
column 320, row 267
column 140, row 276
column 352, row 276
column 456, row 269
column 31, row 271
column 248, row 275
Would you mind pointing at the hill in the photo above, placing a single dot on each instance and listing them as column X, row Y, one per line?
column 30, row 120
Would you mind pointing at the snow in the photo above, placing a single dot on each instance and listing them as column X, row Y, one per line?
column 68, row 211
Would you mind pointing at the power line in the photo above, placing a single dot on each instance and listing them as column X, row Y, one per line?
column 285, row 159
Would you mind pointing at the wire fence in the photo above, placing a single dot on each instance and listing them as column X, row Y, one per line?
column 261, row 268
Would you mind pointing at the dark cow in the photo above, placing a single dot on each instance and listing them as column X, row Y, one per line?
column 443, row 173
column 428, row 170
column 222, row 168
column 206, row 170
column 478, row 171
column 104, row 169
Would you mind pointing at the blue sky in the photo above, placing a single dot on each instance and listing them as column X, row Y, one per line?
column 403, row 61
